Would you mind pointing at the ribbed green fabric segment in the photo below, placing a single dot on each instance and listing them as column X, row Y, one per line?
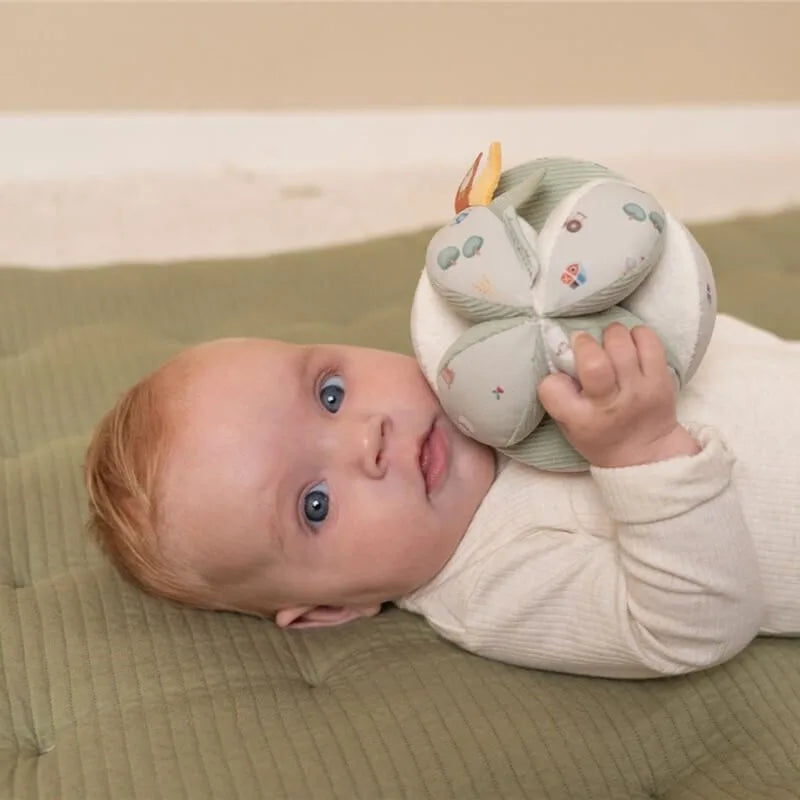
column 105, row 693
column 548, row 449
column 476, row 309
column 562, row 176
column 480, row 333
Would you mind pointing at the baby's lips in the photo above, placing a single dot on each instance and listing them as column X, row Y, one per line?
column 433, row 459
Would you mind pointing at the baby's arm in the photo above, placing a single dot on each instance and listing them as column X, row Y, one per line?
column 675, row 588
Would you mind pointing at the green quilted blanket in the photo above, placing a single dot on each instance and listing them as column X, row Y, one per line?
column 106, row 693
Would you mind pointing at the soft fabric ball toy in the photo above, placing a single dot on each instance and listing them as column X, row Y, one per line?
column 546, row 249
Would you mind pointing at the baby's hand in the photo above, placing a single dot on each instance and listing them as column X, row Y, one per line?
column 623, row 413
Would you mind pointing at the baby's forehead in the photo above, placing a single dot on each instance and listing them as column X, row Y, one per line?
column 232, row 359
column 238, row 346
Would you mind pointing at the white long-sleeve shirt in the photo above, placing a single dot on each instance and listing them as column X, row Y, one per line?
column 651, row 570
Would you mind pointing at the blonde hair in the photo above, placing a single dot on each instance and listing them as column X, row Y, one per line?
column 122, row 471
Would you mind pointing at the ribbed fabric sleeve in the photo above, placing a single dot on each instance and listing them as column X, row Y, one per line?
column 652, row 492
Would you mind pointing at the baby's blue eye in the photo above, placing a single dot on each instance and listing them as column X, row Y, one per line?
column 331, row 393
column 315, row 503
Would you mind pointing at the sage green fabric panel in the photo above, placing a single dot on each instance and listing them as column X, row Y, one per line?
column 106, row 693
column 563, row 176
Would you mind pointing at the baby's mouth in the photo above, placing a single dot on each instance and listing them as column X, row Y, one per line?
column 433, row 458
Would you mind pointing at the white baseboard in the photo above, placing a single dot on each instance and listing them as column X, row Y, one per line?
column 55, row 146
column 91, row 189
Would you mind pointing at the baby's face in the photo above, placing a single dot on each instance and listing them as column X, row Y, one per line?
column 315, row 477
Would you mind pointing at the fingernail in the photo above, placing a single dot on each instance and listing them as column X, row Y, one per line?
column 576, row 336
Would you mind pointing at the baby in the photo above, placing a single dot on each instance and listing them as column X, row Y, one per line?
column 312, row 484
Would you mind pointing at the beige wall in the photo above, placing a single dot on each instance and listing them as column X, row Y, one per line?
column 105, row 56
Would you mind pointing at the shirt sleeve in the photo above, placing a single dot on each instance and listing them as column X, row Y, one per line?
column 676, row 589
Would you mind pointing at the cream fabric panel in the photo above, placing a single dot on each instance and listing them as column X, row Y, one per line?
column 106, row 56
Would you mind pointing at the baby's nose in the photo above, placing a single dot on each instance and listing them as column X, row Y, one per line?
column 370, row 443
column 358, row 442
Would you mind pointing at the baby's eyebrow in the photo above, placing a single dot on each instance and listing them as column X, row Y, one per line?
column 276, row 521
column 282, row 498
column 304, row 366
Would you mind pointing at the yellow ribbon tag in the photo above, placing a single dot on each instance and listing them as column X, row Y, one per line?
column 478, row 186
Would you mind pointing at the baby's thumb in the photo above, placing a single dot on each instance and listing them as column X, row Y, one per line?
column 559, row 394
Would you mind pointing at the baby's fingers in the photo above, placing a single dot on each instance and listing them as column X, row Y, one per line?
column 595, row 370
column 620, row 347
column 560, row 396
column 652, row 357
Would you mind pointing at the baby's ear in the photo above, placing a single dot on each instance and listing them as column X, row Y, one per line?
column 322, row 616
